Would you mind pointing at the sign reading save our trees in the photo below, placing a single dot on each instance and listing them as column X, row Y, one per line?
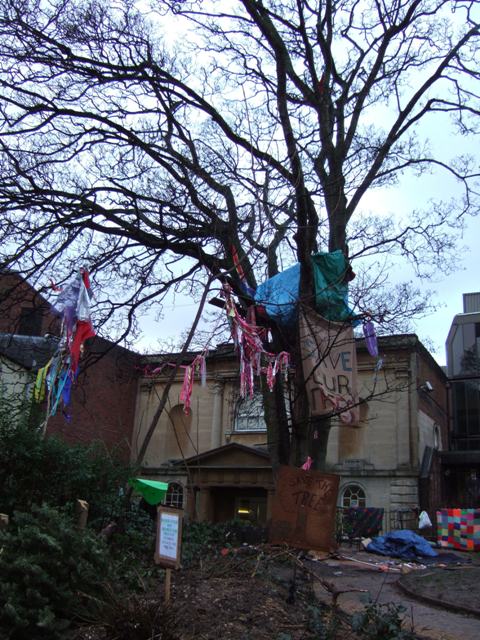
column 330, row 367
column 304, row 509
column 169, row 537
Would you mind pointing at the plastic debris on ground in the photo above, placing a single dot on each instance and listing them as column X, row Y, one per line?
column 403, row 544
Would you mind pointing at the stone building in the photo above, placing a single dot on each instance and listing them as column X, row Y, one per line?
column 217, row 458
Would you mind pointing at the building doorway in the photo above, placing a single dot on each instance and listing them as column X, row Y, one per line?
column 237, row 503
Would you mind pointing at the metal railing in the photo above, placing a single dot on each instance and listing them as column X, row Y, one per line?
column 393, row 520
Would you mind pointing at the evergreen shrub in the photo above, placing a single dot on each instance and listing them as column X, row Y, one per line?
column 52, row 574
column 36, row 470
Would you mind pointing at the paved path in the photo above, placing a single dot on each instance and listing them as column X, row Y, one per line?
column 433, row 622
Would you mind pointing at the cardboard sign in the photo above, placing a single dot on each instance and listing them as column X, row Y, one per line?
column 304, row 509
column 329, row 363
column 169, row 537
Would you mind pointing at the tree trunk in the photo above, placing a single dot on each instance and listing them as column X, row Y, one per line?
column 277, row 424
column 276, row 417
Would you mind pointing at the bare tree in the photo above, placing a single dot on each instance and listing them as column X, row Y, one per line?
column 260, row 133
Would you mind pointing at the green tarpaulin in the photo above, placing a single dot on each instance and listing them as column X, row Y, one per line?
column 331, row 288
column 152, row 491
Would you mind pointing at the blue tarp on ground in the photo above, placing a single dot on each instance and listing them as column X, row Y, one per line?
column 403, row 544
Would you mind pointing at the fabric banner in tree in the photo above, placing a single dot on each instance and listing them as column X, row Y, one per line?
column 331, row 273
column 329, row 363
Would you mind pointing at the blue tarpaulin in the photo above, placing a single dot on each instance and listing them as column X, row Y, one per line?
column 403, row 544
column 280, row 294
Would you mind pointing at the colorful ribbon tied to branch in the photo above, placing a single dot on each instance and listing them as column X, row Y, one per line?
column 73, row 304
column 254, row 358
column 198, row 365
column 370, row 338
column 241, row 274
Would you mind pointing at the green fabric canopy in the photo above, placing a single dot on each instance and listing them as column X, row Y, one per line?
column 152, row 491
column 331, row 288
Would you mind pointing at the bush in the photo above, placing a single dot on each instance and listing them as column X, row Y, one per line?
column 132, row 549
column 201, row 539
column 50, row 572
column 36, row 470
column 381, row 622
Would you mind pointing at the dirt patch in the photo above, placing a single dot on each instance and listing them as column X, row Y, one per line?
column 232, row 608
column 241, row 598
column 456, row 587
column 237, row 597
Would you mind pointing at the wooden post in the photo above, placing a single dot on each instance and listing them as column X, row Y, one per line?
column 81, row 509
column 3, row 521
column 168, row 582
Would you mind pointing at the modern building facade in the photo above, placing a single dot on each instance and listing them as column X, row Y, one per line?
column 461, row 464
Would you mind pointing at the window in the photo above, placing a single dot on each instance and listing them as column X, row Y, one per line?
column 174, row 497
column 465, row 350
column 353, row 496
column 466, row 413
column 250, row 415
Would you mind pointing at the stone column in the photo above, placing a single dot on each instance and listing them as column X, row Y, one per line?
column 403, row 417
column 190, row 505
column 204, row 505
column 216, row 431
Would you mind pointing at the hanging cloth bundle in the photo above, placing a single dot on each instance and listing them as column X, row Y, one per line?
column 247, row 337
column 73, row 303
column 198, row 364
column 332, row 272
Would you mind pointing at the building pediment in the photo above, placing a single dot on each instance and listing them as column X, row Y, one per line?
column 230, row 455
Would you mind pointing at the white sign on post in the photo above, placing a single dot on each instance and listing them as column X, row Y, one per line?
column 169, row 537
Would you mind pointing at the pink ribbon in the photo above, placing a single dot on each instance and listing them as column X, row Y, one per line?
column 248, row 339
column 307, row 464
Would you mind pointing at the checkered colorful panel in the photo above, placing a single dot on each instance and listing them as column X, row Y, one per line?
column 459, row 529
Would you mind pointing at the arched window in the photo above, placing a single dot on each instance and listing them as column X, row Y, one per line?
column 174, row 496
column 353, row 496
column 179, row 432
column 250, row 415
